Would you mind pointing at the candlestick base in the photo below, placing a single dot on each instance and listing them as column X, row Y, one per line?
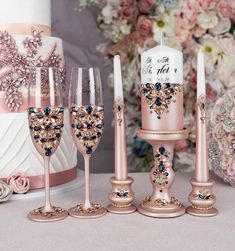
column 161, row 204
column 202, row 199
column 121, row 196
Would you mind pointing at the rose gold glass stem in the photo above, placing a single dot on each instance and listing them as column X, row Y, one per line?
column 87, row 203
column 48, row 207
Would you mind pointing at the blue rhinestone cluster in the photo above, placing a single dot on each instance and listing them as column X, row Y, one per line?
column 87, row 123
column 160, row 173
column 46, row 127
column 159, row 95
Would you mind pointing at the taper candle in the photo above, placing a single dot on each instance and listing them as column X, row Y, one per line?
column 162, row 89
column 201, row 169
column 118, row 90
column 121, row 172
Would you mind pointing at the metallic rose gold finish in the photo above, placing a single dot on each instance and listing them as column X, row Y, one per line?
column 121, row 196
column 94, row 211
column 121, row 168
column 202, row 199
column 161, row 204
column 40, row 215
column 173, row 122
column 201, row 169
column 88, row 209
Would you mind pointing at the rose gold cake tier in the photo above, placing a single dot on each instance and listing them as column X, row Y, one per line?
column 121, row 196
column 161, row 203
column 202, row 199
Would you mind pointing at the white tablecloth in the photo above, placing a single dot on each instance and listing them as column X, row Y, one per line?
column 120, row 232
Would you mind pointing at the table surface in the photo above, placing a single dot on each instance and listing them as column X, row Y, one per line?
column 120, row 232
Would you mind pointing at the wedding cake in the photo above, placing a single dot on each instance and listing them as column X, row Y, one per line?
column 25, row 41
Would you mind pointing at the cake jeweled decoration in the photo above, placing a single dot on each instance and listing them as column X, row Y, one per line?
column 46, row 127
column 87, row 122
column 16, row 65
column 160, row 95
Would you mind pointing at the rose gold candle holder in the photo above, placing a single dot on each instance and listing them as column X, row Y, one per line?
column 121, row 195
column 161, row 203
column 201, row 197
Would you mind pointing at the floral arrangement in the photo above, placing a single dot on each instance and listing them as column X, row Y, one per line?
column 133, row 26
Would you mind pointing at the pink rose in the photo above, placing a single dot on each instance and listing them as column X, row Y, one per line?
column 181, row 145
column 144, row 26
column 231, row 170
column 224, row 8
column 145, row 5
column 18, row 183
column 127, row 12
column 127, row 3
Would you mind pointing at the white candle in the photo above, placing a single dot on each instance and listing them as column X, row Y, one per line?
column 92, row 86
column 118, row 90
column 201, row 83
column 162, row 66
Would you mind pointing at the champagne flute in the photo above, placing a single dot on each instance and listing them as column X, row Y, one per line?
column 45, row 117
column 87, row 120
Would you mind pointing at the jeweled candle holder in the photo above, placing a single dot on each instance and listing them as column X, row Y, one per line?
column 122, row 195
column 161, row 203
column 201, row 196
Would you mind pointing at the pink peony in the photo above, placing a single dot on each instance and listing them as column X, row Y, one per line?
column 231, row 170
column 145, row 5
column 224, row 8
column 144, row 26
column 18, row 183
column 128, row 11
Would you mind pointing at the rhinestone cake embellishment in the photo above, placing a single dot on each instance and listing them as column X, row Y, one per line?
column 46, row 127
column 161, row 162
column 15, row 65
column 87, row 125
column 159, row 95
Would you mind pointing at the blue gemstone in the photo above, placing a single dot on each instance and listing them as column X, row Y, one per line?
column 149, row 97
column 36, row 136
column 162, row 149
column 168, row 85
column 47, row 128
column 89, row 126
column 166, row 174
column 43, row 140
column 61, row 110
column 79, row 126
column 48, row 152
column 52, row 139
column 58, row 135
column 74, row 109
column 119, row 108
column 161, row 167
column 47, row 111
column 89, row 150
column 158, row 86
column 172, row 90
column 158, row 101
column 58, row 127
column 78, row 135
column 30, row 127
column 31, row 110
column 99, row 126
column 37, row 128
column 89, row 109
column 125, row 194
column 148, row 85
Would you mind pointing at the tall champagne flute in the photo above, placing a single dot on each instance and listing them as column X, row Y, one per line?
column 87, row 120
column 45, row 116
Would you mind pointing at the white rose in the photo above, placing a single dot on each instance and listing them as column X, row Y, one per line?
column 207, row 20
column 223, row 26
column 225, row 68
column 5, row 191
